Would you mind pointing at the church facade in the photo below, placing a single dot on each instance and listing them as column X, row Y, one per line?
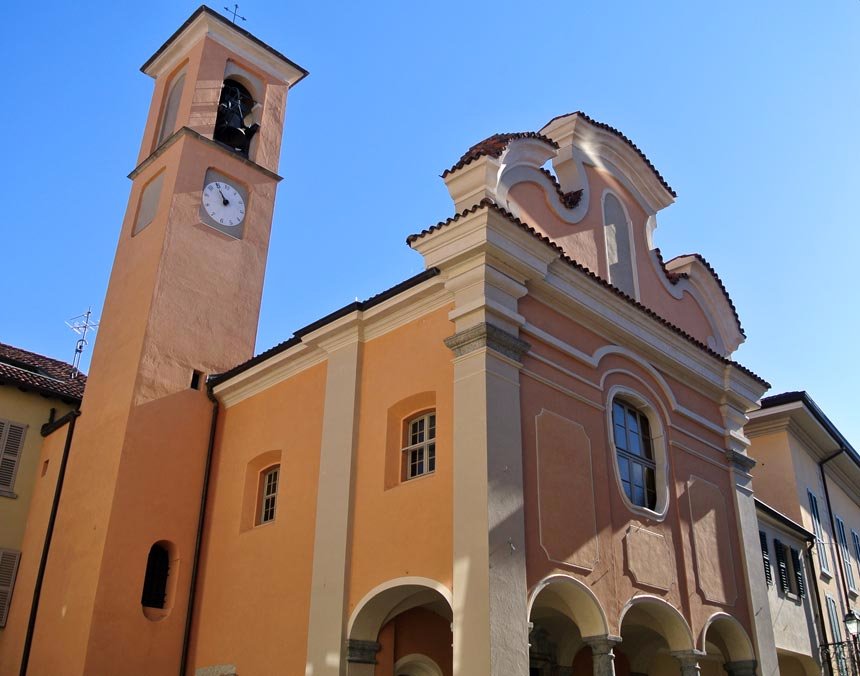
column 527, row 459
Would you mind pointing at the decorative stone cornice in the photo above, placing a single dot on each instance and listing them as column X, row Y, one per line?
column 362, row 652
column 740, row 461
column 487, row 336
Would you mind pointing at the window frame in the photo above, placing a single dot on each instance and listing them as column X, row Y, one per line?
column 818, row 531
column 9, row 458
column 842, row 542
column 644, row 407
column 427, row 446
column 9, row 561
column 268, row 495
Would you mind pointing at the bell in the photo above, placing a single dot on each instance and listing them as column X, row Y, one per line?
column 233, row 110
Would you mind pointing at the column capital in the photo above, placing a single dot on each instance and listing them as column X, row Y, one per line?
column 689, row 661
column 601, row 645
column 362, row 652
column 489, row 336
column 741, row 668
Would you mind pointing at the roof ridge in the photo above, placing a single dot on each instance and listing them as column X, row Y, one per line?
column 719, row 281
column 494, row 146
column 487, row 203
column 607, row 127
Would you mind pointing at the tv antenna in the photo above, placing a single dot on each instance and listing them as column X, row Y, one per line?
column 235, row 13
column 81, row 325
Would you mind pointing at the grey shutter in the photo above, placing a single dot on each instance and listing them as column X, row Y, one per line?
column 11, row 445
column 765, row 558
column 781, row 565
column 8, row 569
column 798, row 571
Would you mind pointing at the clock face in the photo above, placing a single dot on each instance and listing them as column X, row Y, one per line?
column 223, row 203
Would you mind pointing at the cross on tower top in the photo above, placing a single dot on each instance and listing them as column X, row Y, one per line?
column 235, row 13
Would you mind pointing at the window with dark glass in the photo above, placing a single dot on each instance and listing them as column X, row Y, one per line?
column 635, row 454
column 155, row 578
column 419, row 455
column 269, row 494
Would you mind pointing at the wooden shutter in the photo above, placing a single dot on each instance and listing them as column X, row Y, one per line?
column 781, row 565
column 8, row 570
column 798, row 571
column 765, row 558
column 11, row 445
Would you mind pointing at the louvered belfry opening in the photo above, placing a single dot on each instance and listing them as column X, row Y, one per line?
column 155, row 580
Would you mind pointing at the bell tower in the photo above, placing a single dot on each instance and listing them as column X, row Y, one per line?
column 182, row 303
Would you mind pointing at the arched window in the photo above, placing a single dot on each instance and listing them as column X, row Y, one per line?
column 234, row 125
column 171, row 109
column 619, row 256
column 268, row 494
column 419, row 454
column 155, row 579
column 634, row 451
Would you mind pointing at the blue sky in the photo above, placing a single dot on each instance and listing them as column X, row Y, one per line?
column 749, row 109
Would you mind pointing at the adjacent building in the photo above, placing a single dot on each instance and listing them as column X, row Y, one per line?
column 35, row 391
column 810, row 473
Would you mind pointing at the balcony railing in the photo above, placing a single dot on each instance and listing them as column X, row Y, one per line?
column 839, row 659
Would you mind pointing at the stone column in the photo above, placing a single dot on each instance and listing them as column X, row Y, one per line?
column 603, row 654
column 689, row 662
column 326, row 620
column 758, row 607
column 490, row 596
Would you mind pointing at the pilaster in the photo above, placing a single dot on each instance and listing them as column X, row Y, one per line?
column 326, row 620
column 740, row 465
column 490, row 596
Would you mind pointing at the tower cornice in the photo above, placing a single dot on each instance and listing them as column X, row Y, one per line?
column 190, row 133
column 207, row 23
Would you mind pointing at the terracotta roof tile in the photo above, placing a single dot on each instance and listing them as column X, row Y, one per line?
column 494, row 146
column 719, row 281
column 569, row 199
column 32, row 371
column 613, row 130
column 487, row 203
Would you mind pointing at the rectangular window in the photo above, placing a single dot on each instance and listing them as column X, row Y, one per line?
column 819, row 533
column 8, row 570
column 765, row 558
column 855, row 539
column 419, row 455
column 797, row 564
column 846, row 555
column 11, row 446
column 269, row 494
column 836, row 632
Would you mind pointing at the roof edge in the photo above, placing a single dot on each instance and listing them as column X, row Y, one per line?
column 219, row 378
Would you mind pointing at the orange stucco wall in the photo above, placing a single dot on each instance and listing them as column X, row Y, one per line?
column 405, row 530
column 254, row 586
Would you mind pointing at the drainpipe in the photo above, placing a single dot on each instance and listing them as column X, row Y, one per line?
column 46, row 547
column 822, row 630
column 841, row 563
column 189, row 615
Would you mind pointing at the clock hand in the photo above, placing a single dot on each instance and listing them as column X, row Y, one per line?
column 226, row 201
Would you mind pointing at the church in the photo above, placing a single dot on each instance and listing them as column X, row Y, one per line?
column 527, row 460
